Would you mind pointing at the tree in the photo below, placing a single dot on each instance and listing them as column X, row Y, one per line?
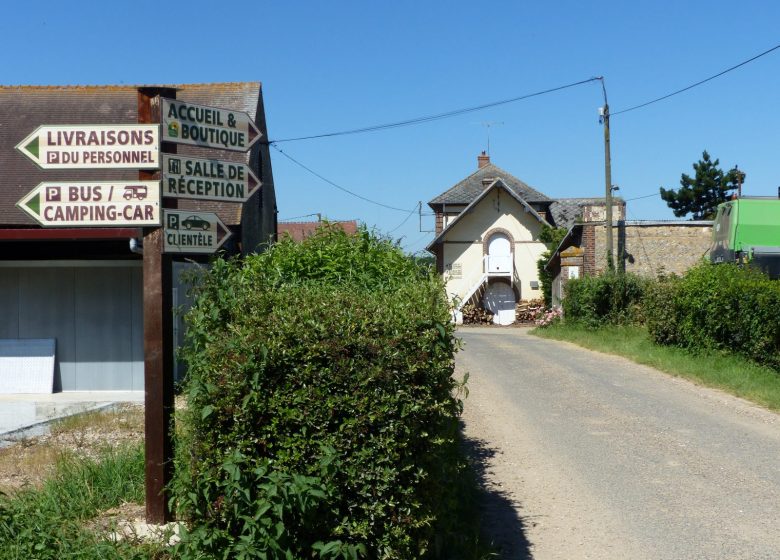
column 701, row 194
column 551, row 237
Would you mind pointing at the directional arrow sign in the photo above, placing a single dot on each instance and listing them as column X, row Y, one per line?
column 208, row 127
column 207, row 179
column 93, row 204
column 193, row 232
column 113, row 146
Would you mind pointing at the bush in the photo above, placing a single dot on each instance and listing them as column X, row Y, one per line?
column 660, row 310
column 719, row 307
column 612, row 298
column 321, row 420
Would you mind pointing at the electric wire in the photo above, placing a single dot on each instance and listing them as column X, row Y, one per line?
column 704, row 81
column 406, row 219
column 641, row 197
column 415, row 242
column 361, row 197
column 435, row 117
column 297, row 217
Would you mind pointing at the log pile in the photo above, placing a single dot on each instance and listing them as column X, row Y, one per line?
column 473, row 315
column 528, row 311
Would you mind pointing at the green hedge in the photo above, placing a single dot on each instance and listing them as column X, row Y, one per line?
column 721, row 307
column 321, row 420
column 611, row 298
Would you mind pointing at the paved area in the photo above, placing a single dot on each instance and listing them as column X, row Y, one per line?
column 586, row 455
column 24, row 415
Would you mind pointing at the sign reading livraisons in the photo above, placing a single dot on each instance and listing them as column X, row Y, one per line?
column 109, row 146
column 187, row 231
column 207, row 179
column 94, row 204
column 208, row 127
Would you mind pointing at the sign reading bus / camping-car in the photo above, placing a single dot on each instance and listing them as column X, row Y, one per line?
column 187, row 231
column 208, row 127
column 94, row 204
column 110, row 146
column 207, row 179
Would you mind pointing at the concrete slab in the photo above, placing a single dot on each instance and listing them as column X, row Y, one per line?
column 27, row 415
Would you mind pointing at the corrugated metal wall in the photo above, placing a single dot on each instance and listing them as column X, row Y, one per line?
column 93, row 310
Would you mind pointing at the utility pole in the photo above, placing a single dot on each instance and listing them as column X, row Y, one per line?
column 607, row 177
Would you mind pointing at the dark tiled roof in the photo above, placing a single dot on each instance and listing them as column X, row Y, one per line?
column 299, row 231
column 24, row 108
column 471, row 187
column 566, row 211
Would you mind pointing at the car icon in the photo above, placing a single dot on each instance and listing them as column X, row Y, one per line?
column 195, row 222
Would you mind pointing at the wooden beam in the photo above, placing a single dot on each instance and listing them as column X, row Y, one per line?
column 158, row 342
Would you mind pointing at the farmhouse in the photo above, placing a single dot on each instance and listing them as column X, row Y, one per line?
column 487, row 237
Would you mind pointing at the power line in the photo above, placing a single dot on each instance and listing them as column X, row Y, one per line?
column 704, row 81
column 297, row 217
column 361, row 197
column 402, row 223
column 437, row 116
column 641, row 197
column 415, row 242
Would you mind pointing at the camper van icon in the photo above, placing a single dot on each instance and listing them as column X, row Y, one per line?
column 138, row 192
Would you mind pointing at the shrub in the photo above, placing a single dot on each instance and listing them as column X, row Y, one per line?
column 611, row 298
column 321, row 418
column 660, row 310
column 720, row 307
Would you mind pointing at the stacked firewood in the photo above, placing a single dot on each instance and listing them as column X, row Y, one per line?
column 473, row 315
column 529, row 310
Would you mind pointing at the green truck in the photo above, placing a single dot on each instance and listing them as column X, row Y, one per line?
column 747, row 231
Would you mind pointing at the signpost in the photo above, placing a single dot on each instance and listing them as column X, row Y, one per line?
column 207, row 179
column 193, row 232
column 110, row 146
column 208, row 127
column 139, row 203
column 94, row 204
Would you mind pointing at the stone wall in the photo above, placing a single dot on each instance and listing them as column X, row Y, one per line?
column 651, row 248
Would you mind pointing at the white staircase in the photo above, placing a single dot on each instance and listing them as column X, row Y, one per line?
column 492, row 267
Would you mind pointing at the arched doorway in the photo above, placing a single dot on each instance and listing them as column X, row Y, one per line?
column 499, row 254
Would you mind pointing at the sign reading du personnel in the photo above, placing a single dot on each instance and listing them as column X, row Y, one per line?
column 94, row 204
column 193, row 232
column 208, row 127
column 110, row 146
column 207, row 179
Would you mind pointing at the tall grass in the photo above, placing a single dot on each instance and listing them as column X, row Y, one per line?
column 49, row 522
column 722, row 370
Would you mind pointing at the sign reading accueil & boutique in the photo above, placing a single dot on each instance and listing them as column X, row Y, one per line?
column 208, row 127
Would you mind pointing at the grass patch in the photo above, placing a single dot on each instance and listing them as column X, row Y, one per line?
column 729, row 372
column 49, row 522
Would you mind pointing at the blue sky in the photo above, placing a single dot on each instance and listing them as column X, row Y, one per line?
column 336, row 65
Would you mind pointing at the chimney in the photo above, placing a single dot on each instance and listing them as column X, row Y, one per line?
column 482, row 160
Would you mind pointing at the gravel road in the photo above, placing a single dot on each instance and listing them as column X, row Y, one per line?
column 585, row 455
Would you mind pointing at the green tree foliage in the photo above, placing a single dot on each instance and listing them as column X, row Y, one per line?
column 700, row 195
column 551, row 237
column 321, row 418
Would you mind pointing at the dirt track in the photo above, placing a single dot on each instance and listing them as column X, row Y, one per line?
column 591, row 456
